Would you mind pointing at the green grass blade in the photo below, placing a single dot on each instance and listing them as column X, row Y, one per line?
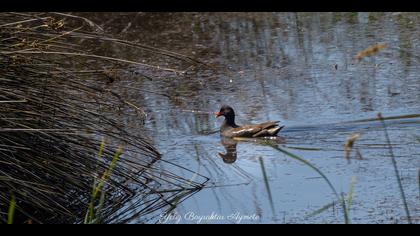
column 100, row 206
column 101, row 148
column 177, row 200
column 349, row 200
column 320, row 210
column 307, row 163
column 394, row 163
column 11, row 212
column 350, row 193
column 304, row 148
column 85, row 220
column 329, row 205
column 345, row 211
column 107, row 173
column 97, row 186
column 90, row 212
column 267, row 184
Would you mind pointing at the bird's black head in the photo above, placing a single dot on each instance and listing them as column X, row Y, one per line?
column 225, row 111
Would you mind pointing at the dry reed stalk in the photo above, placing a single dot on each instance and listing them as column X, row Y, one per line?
column 370, row 51
column 348, row 146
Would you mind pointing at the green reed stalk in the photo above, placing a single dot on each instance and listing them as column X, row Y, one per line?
column 89, row 217
column 11, row 212
column 394, row 163
column 267, row 185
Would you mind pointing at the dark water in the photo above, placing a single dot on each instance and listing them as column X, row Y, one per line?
column 297, row 68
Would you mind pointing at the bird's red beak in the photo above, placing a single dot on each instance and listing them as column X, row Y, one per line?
column 217, row 114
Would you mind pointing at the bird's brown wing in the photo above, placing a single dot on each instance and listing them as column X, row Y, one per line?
column 243, row 131
column 250, row 130
column 269, row 124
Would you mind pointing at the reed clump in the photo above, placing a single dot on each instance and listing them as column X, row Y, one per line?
column 55, row 106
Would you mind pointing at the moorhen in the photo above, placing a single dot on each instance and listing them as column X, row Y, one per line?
column 231, row 130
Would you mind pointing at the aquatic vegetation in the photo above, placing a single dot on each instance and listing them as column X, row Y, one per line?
column 339, row 197
column 55, row 104
column 348, row 146
column 394, row 164
column 98, row 187
column 347, row 202
column 267, row 183
column 66, row 83
column 11, row 211
column 350, row 195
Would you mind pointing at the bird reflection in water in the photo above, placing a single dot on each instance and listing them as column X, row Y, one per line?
column 230, row 145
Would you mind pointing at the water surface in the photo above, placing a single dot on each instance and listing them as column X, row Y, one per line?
column 297, row 68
